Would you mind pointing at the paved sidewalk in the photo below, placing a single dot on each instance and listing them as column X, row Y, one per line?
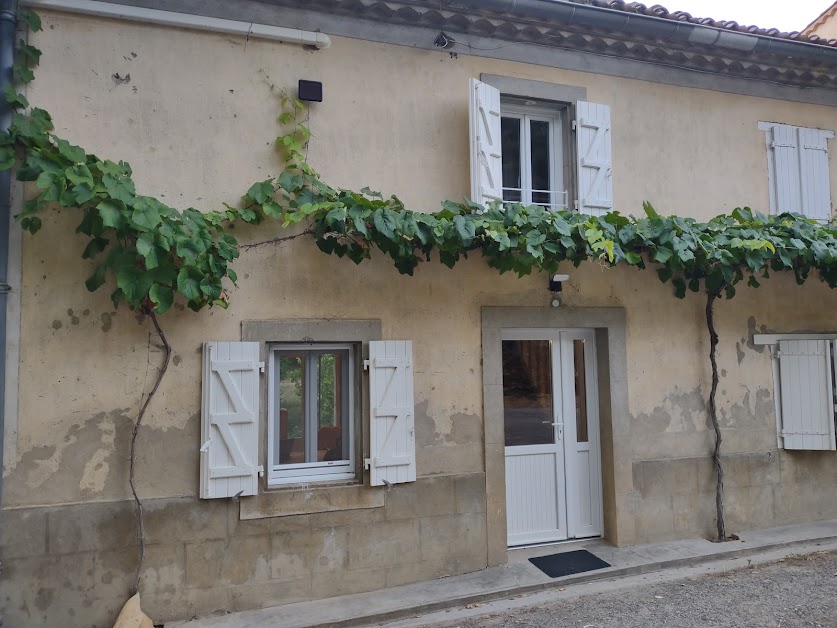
column 516, row 577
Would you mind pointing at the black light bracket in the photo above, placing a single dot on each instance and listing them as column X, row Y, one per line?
column 556, row 281
column 444, row 41
column 310, row 91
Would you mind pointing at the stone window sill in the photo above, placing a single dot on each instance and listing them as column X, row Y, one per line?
column 302, row 500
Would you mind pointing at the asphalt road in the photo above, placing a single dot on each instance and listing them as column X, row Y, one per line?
column 794, row 591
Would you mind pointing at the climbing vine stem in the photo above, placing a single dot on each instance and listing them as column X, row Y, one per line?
column 161, row 372
column 713, row 416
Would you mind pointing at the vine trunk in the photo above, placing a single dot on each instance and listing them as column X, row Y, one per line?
column 139, row 512
column 713, row 415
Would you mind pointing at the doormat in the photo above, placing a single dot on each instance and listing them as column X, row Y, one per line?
column 568, row 563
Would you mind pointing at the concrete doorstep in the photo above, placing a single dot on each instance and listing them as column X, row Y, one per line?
column 516, row 577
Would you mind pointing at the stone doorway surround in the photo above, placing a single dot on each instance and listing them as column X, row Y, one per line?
column 611, row 349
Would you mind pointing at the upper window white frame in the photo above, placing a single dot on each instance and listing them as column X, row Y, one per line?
column 555, row 117
column 797, row 169
column 279, row 474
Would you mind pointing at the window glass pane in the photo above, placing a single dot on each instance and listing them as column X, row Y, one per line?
column 540, row 154
column 511, row 158
column 330, row 409
column 291, row 408
column 527, row 392
column 580, row 391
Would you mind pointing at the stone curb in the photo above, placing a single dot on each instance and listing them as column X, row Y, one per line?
column 489, row 596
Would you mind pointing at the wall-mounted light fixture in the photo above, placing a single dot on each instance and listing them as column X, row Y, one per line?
column 310, row 91
column 444, row 41
column 555, row 286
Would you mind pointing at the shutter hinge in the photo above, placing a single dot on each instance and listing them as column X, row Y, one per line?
column 205, row 446
column 576, row 205
column 366, row 364
column 367, row 463
column 260, row 469
column 575, row 125
column 261, row 367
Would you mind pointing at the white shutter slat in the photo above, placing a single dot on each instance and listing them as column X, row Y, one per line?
column 486, row 148
column 787, row 187
column 807, row 406
column 813, row 166
column 595, row 160
column 229, row 420
column 392, row 422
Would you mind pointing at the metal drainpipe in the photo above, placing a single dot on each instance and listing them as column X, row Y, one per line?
column 8, row 26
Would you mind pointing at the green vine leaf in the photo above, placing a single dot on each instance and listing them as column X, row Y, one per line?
column 29, row 19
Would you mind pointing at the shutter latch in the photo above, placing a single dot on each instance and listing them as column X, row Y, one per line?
column 366, row 364
column 367, row 462
column 261, row 367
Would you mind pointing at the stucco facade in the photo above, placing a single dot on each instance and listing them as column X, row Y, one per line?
column 197, row 121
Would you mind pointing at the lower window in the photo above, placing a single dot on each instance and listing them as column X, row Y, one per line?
column 311, row 406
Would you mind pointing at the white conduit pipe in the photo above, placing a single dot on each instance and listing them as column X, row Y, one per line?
column 184, row 20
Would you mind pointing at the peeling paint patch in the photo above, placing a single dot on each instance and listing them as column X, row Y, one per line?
column 177, row 360
column 680, row 411
column 749, row 413
column 463, row 429
column 95, row 473
column 751, row 330
column 107, row 322
column 739, row 352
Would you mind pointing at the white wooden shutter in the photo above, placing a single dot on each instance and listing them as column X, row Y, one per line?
column 798, row 171
column 486, row 150
column 595, row 162
column 806, row 388
column 229, row 419
column 786, row 187
column 813, row 172
column 392, row 441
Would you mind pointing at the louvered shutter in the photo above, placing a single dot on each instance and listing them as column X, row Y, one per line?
column 486, row 150
column 813, row 169
column 787, row 190
column 229, row 419
column 595, row 162
column 392, row 434
column 806, row 388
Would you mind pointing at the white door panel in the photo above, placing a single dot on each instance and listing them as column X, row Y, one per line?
column 553, row 475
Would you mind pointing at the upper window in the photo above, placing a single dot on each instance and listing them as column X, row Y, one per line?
column 521, row 147
column 533, row 155
column 311, row 413
column 797, row 166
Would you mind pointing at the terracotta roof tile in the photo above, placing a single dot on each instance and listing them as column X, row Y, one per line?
column 682, row 16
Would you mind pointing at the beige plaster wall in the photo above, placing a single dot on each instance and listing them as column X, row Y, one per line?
column 196, row 122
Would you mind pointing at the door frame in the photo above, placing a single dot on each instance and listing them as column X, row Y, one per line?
column 569, row 493
column 609, row 325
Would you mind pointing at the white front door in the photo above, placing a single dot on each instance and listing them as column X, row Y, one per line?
column 550, row 403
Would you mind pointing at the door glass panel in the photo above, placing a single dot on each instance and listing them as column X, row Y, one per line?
column 527, row 392
column 510, row 128
column 291, row 408
column 580, row 391
column 541, row 159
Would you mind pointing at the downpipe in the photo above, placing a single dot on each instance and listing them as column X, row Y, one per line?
column 8, row 27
